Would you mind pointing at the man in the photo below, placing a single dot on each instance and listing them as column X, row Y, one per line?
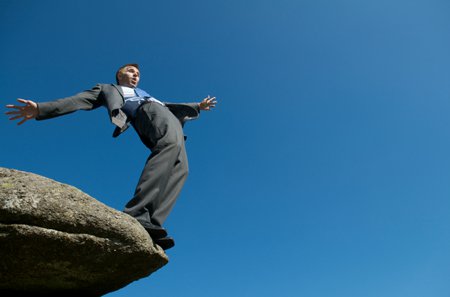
column 159, row 126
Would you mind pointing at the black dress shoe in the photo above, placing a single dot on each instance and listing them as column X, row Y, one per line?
column 156, row 232
column 165, row 243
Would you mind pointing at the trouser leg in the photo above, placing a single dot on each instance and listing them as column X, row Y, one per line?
column 173, row 188
column 165, row 170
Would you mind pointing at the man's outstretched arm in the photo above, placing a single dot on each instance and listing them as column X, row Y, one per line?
column 24, row 112
column 86, row 100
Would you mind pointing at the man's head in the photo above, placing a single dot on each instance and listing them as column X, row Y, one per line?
column 128, row 75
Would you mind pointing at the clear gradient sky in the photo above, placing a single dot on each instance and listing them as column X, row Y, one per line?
column 323, row 172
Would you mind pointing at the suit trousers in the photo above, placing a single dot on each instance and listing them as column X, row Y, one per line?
column 166, row 168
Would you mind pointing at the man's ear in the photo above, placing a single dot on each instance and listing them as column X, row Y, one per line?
column 119, row 76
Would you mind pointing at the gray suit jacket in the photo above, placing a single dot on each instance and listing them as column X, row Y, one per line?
column 110, row 96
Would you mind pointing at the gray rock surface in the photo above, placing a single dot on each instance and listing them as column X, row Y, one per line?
column 55, row 239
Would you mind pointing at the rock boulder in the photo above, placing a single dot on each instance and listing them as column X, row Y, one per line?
column 55, row 239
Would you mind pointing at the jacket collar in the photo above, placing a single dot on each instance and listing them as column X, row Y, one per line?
column 119, row 89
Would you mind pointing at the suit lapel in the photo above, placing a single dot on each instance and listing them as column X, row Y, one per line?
column 113, row 96
column 119, row 89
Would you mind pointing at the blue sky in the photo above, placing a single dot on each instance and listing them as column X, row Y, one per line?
column 325, row 169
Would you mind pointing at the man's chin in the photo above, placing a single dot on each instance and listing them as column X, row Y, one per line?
column 130, row 85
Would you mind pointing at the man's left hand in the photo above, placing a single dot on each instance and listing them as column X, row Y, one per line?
column 208, row 103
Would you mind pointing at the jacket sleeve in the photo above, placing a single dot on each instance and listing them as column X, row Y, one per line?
column 184, row 111
column 87, row 100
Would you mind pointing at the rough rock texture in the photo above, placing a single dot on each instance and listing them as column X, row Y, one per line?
column 57, row 240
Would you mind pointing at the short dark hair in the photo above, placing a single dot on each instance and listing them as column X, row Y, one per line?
column 120, row 69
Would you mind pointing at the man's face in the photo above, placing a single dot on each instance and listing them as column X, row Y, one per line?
column 129, row 77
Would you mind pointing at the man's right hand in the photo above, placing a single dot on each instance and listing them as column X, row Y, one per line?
column 25, row 112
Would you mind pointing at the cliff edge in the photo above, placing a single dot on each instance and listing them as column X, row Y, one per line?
column 55, row 239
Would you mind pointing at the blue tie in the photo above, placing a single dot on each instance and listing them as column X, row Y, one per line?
column 141, row 93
